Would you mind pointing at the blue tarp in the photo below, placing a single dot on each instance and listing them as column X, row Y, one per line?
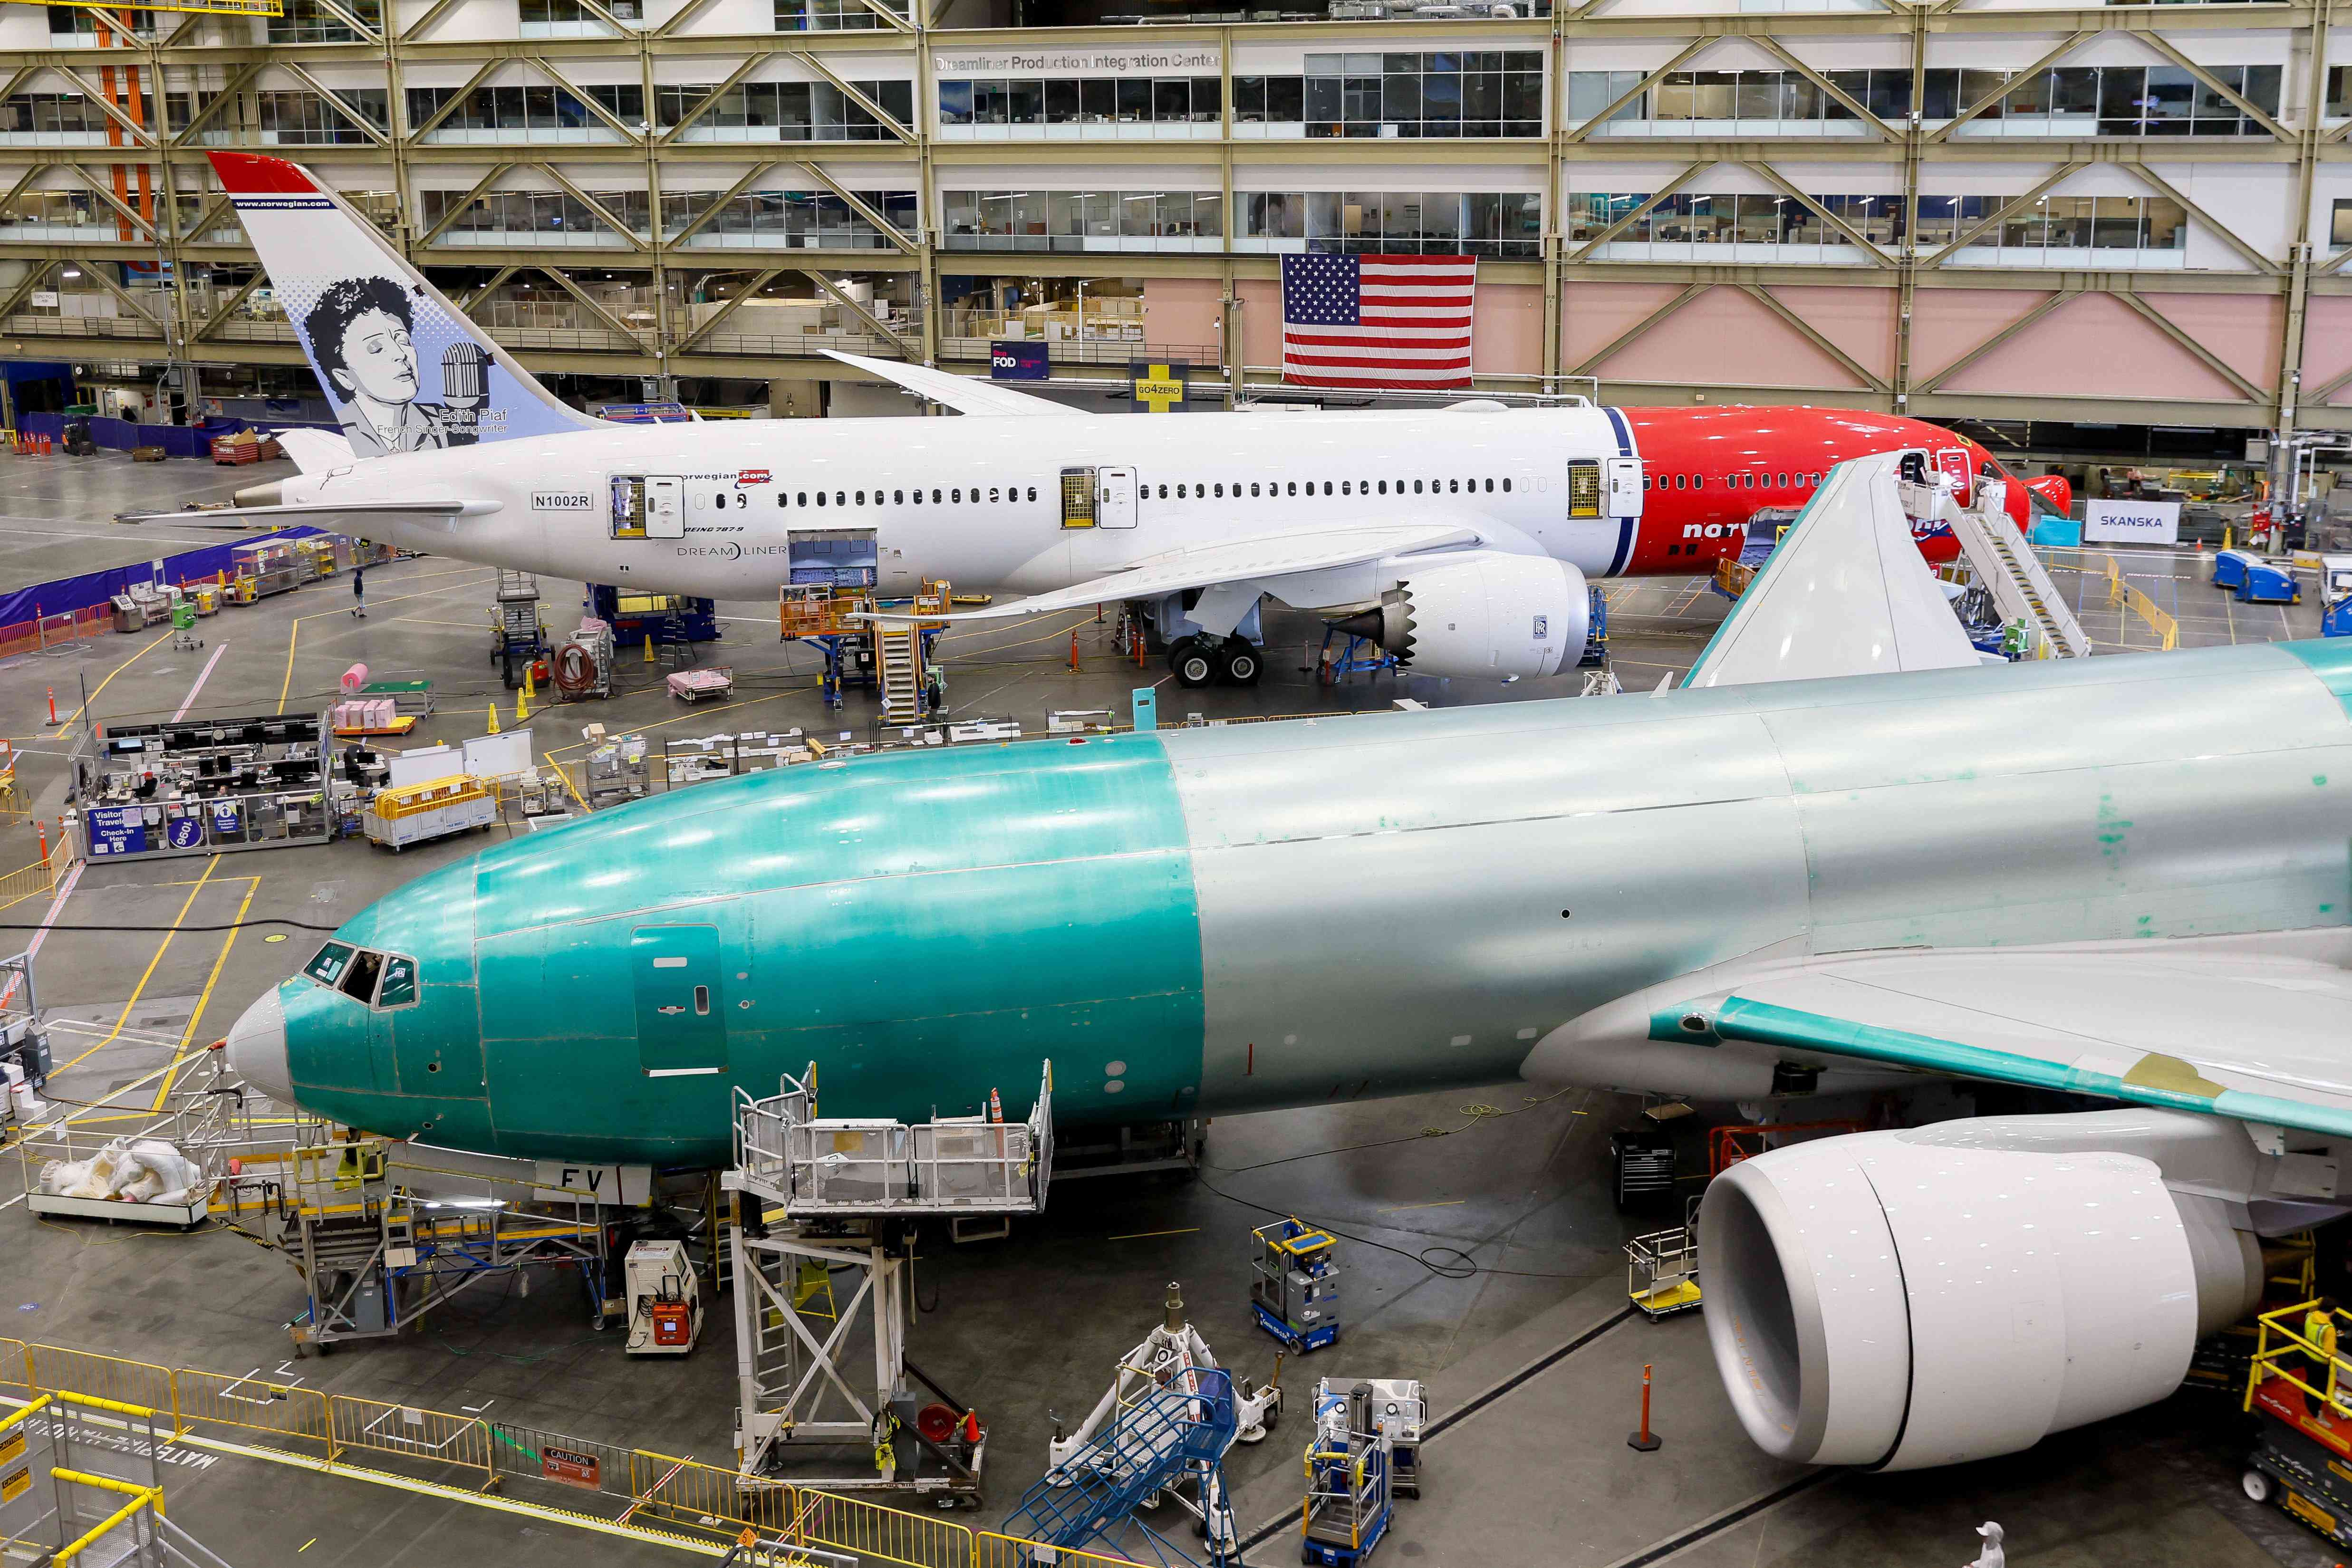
column 2057, row 533
column 59, row 595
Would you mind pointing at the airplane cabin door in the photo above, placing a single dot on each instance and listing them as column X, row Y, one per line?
column 1115, row 498
column 1954, row 461
column 1624, row 486
column 681, row 1031
column 665, row 507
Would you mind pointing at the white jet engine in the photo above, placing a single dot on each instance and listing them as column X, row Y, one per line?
column 1483, row 614
column 1910, row 1298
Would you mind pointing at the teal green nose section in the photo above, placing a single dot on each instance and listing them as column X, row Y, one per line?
column 927, row 928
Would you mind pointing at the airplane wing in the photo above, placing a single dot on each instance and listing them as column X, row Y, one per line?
column 961, row 393
column 244, row 517
column 1244, row 568
column 1846, row 594
column 2248, row 1038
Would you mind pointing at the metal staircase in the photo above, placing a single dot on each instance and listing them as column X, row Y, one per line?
column 1146, row 1447
column 2021, row 587
column 898, row 657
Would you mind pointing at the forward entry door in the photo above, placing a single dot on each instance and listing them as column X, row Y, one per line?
column 681, row 1029
column 1115, row 505
column 665, row 507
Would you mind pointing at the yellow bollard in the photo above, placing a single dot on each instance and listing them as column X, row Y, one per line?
column 494, row 718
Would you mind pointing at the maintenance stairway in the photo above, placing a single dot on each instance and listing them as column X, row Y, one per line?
column 898, row 656
column 2000, row 559
column 1146, row 1449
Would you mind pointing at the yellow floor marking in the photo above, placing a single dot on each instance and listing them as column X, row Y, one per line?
column 294, row 627
column 110, row 675
column 1140, row 1235
column 306, row 1547
column 163, row 947
column 1449, row 1203
column 252, row 886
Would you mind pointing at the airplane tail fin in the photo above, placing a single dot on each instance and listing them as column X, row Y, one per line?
column 405, row 367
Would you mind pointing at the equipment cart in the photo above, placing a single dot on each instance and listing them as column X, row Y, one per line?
column 2270, row 582
column 518, row 637
column 415, row 812
column 1365, row 1454
column 1295, row 1291
column 693, row 686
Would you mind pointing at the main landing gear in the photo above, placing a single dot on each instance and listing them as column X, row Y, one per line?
column 1231, row 661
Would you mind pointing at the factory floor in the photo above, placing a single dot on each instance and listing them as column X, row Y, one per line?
column 1024, row 1329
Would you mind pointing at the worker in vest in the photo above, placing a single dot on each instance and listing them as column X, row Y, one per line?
column 2319, row 1333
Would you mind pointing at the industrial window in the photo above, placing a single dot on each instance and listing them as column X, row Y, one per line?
column 399, row 988
column 1585, row 489
column 328, row 964
column 359, row 983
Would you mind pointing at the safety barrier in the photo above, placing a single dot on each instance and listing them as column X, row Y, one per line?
column 55, row 629
column 296, row 1416
column 663, row 1495
column 27, row 882
column 409, row 1431
column 2121, row 594
column 2279, row 1348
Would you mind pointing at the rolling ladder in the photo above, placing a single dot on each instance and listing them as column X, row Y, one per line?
column 898, row 658
column 1146, row 1449
column 2021, row 587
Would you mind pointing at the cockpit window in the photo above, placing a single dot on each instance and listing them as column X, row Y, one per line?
column 359, row 982
column 328, row 966
column 399, row 987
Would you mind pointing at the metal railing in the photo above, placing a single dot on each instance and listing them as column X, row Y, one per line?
column 2278, row 1348
column 665, row 1497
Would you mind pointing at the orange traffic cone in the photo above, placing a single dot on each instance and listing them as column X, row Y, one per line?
column 995, row 1107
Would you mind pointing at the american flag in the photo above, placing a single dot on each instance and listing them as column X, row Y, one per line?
column 1377, row 320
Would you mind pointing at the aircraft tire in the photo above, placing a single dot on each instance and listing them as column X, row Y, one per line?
column 1195, row 665
column 1240, row 665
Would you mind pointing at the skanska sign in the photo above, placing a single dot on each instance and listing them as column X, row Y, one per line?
column 2131, row 522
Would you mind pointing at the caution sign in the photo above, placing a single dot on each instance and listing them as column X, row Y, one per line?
column 12, row 1449
column 570, row 1467
column 15, row 1483
column 1157, row 388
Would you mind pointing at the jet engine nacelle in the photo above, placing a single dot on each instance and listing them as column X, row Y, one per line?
column 1887, row 1300
column 1481, row 614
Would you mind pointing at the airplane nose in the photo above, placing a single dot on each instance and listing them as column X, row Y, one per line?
column 256, row 1048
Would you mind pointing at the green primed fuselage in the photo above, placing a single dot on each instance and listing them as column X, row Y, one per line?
column 1199, row 921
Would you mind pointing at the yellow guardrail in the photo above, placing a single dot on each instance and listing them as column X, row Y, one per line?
column 709, row 1501
column 2278, row 1359
column 140, row 1497
column 27, row 882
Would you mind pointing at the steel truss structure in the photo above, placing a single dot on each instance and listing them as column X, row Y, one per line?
column 2257, row 362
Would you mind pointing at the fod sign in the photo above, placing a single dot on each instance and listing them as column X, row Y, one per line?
column 2132, row 522
column 1018, row 361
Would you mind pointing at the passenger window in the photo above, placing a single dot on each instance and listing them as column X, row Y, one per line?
column 1506, row 485
column 1220, row 492
column 1033, row 492
column 820, row 497
column 1163, row 492
column 841, row 497
column 1416, row 486
column 783, row 499
column 861, row 498
column 359, row 982
column 956, row 495
column 898, row 497
column 1384, row 487
column 399, row 987
column 1252, row 487
column 994, row 493
column 935, row 498
column 328, row 964
column 1490, row 487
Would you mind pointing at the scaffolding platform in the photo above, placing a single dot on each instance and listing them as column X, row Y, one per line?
column 819, row 1197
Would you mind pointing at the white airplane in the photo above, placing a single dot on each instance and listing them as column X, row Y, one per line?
column 1467, row 533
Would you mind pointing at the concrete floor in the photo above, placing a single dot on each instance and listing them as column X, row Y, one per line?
column 1023, row 1327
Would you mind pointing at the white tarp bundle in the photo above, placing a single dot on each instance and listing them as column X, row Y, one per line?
column 147, row 1171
